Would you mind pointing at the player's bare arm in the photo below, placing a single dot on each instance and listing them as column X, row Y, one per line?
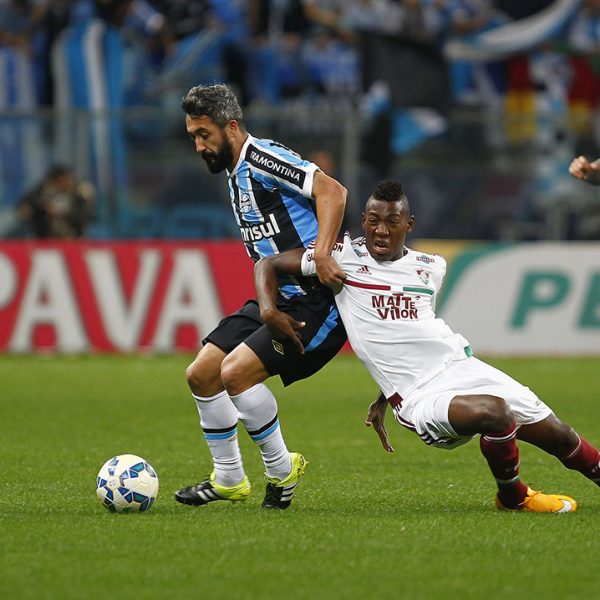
column 282, row 325
column 582, row 168
column 330, row 197
column 376, row 417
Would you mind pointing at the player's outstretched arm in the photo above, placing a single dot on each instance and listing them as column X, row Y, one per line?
column 282, row 325
column 376, row 418
column 582, row 168
column 330, row 197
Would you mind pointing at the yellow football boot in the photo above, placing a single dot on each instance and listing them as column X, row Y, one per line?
column 209, row 491
column 542, row 503
column 278, row 493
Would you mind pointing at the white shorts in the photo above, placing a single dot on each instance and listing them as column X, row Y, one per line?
column 425, row 411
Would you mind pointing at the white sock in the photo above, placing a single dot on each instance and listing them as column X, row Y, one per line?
column 218, row 419
column 257, row 408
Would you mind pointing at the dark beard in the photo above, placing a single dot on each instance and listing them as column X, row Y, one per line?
column 219, row 161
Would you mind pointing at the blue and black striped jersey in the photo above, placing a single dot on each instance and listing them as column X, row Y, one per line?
column 271, row 194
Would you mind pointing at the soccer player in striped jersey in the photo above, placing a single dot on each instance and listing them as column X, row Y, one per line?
column 425, row 371
column 280, row 202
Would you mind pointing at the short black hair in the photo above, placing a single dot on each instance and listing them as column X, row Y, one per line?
column 389, row 190
column 217, row 102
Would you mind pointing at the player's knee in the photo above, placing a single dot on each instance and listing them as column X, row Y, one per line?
column 203, row 379
column 239, row 373
column 192, row 376
column 494, row 415
column 470, row 415
column 232, row 374
column 564, row 438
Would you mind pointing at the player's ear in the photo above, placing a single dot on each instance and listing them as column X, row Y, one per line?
column 411, row 223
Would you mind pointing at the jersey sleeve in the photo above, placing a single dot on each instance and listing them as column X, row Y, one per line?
column 308, row 258
column 278, row 167
column 308, row 261
column 438, row 273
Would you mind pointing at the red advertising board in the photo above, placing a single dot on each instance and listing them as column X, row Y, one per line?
column 118, row 296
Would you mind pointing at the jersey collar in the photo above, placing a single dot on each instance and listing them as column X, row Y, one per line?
column 406, row 249
column 241, row 157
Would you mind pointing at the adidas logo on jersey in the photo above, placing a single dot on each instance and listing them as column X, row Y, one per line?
column 364, row 270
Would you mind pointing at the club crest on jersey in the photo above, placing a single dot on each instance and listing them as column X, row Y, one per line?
column 424, row 275
column 245, row 203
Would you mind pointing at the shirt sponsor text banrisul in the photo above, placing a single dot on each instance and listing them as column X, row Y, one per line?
column 254, row 233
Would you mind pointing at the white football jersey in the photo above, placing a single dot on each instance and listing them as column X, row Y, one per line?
column 388, row 309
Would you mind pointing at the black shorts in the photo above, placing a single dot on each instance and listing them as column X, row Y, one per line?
column 322, row 336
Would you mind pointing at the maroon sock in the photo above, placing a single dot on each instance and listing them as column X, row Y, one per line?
column 585, row 459
column 502, row 454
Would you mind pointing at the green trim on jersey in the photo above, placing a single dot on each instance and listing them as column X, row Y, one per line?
column 418, row 290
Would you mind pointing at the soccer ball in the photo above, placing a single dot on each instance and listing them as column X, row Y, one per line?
column 127, row 483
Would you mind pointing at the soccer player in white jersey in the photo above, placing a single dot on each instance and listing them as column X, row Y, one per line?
column 425, row 371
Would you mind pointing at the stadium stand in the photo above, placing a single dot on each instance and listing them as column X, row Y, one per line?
column 96, row 84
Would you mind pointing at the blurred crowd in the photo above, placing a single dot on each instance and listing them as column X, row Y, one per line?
column 386, row 58
column 273, row 50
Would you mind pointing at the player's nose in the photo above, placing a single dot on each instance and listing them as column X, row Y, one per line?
column 200, row 145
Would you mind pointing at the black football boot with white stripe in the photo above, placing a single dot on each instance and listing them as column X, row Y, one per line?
column 209, row 491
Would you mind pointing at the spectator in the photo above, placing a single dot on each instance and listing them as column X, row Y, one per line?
column 21, row 44
column 18, row 21
column 583, row 38
column 584, row 31
column 59, row 207
column 475, row 83
column 333, row 67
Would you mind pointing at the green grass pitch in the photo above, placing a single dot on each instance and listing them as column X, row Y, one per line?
column 419, row 523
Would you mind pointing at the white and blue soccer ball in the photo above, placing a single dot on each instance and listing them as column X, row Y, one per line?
column 127, row 483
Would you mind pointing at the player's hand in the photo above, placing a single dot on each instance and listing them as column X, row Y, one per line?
column 582, row 168
column 329, row 272
column 376, row 418
column 284, row 327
